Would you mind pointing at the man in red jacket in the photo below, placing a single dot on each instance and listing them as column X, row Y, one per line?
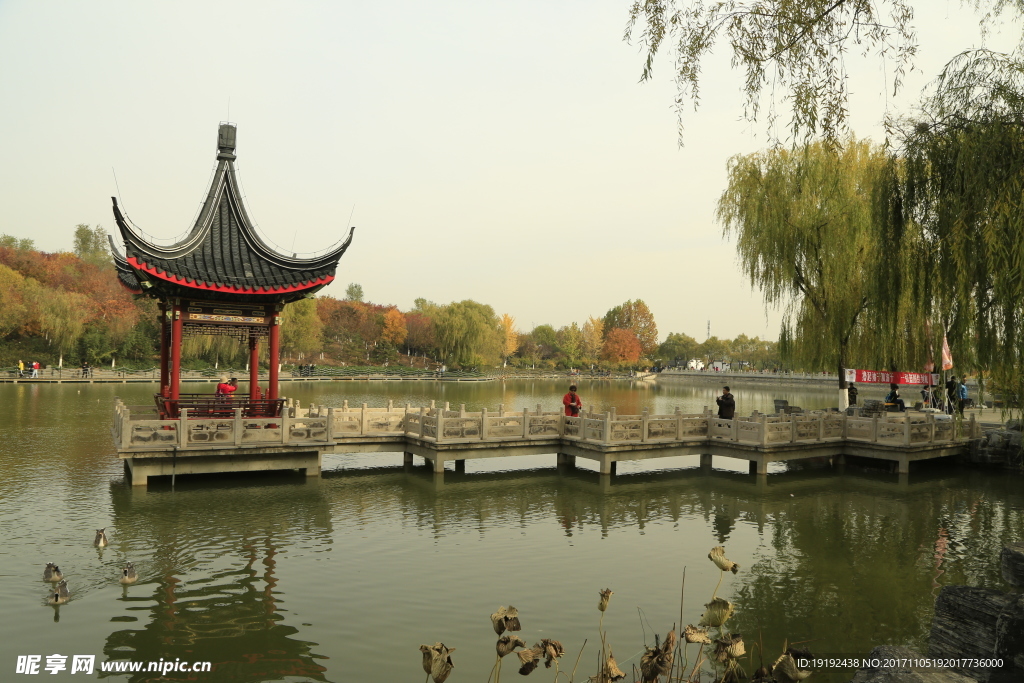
column 572, row 402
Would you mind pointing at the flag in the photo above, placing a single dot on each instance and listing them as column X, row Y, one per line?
column 947, row 357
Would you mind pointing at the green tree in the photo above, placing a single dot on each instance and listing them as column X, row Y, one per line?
column 92, row 246
column 953, row 208
column 354, row 292
column 803, row 221
column 301, row 328
column 467, row 334
column 19, row 243
column 678, row 347
column 570, row 343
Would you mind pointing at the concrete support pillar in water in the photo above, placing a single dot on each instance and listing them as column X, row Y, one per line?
column 438, row 463
column 705, row 461
column 903, row 465
column 607, row 465
column 759, row 466
column 460, row 465
column 407, row 458
column 567, row 460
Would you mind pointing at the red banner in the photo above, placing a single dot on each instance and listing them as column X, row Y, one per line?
column 883, row 377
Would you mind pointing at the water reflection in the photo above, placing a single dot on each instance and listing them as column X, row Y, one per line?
column 210, row 590
column 340, row 578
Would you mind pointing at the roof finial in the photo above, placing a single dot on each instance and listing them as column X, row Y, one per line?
column 226, row 141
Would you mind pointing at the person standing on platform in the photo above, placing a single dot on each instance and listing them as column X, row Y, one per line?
column 572, row 402
column 851, row 393
column 726, row 404
column 961, row 395
column 952, row 394
column 226, row 386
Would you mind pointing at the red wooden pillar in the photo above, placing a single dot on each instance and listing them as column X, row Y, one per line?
column 254, row 367
column 274, row 357
column 175, row 369
column 165, row 332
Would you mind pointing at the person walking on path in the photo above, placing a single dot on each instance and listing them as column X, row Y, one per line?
column 21, row 368
column 851, row 393
column 35, row 369
column 726, row 404
column 961, row 395
column 572, row 402
column 952, row 394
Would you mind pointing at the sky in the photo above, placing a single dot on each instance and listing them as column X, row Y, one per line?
column 504, row 152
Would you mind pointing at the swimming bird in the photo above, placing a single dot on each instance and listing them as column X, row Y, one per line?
column 128, row 574
column 52, row 573
column 60, row 594
column 101, row 538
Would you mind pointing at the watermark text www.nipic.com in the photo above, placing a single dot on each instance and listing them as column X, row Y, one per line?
column 86, row 664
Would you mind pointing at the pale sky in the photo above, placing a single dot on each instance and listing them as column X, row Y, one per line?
column 498, row 151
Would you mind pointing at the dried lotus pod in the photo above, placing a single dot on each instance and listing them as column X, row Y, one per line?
column 428, row 657
column 552, row 650
column 717, row 555
column 785, row 670
column 443, row 665
column 657, row 661
column 507, row 644
column 729, row 647
column 498, row 621
column 529, row 658
column 716, row 613
column 692, row 634
column 606, row 595
column 512, row 619
column 612, row 672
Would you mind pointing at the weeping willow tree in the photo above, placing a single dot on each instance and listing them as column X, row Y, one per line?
column 954, row 203
column 803, row 221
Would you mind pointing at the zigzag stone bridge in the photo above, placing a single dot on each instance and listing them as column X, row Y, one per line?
column 232, row 442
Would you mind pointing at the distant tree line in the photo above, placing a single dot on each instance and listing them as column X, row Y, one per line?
column 70, row 306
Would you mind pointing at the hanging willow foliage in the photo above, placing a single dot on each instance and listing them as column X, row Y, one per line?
column 954, row 202
column 804, row 225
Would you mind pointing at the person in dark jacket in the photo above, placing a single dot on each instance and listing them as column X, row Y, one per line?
column 726, row 404
column 851, row 393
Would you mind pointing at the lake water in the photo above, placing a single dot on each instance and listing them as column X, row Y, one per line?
column 340, row 578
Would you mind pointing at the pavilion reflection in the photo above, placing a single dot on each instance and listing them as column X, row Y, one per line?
column 210, row 592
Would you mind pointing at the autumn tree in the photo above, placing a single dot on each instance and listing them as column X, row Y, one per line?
column 638, row 319
column 421, row 335
column 593, row 338
column 509, row 337
column 803, row 222
column 394, row 330
column 621, row 346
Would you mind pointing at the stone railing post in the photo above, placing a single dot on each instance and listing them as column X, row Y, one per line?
column 931, row 428
column 483, row 424
column 679, row 424
column 183, row 428
column 462, row 410
column 362, row 420
column 423, row 414
column 764, row 430
column 874, row 429
column 906, row 431
column 330, row 425
column 440, row 425
column 239, row 426
column 792, row 428
column 526, row 423
column 821, row 427
column 125, row 427
column 644, row 418
column 606, row 432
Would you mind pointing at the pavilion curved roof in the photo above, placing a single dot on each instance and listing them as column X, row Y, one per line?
column 223, row 256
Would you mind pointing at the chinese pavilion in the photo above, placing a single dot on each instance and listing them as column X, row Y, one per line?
column 220, row 279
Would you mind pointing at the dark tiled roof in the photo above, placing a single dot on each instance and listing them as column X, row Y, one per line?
column 125, row 274
column 223, row 254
